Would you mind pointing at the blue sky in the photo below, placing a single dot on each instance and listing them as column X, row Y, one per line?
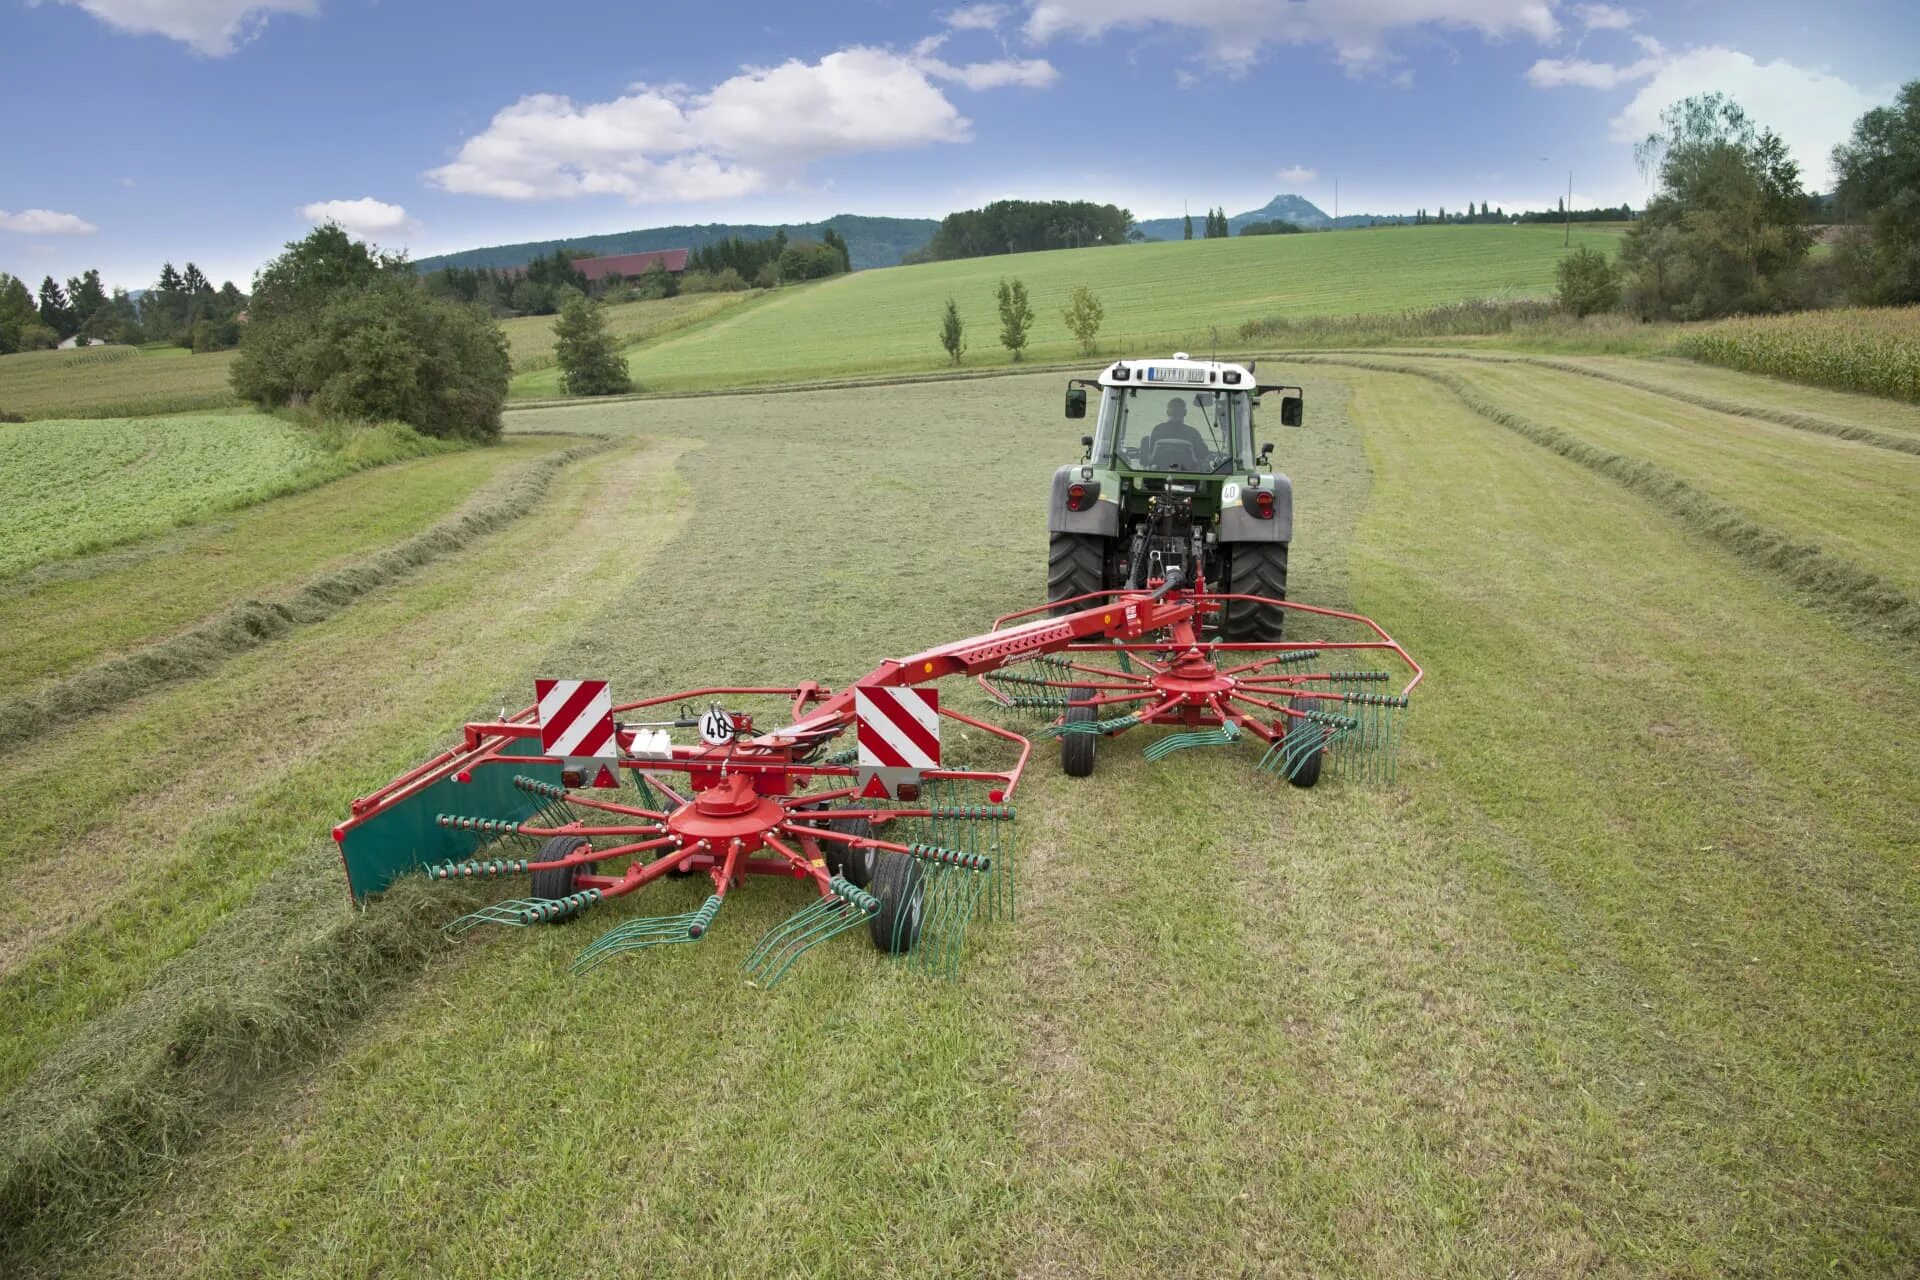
column 216, row 130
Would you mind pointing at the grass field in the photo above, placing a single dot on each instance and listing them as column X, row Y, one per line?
column 888, row 320
column 114, row 382
column 530, row 338
column 1618, row 981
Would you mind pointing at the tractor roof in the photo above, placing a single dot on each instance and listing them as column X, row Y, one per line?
column 1179, row 370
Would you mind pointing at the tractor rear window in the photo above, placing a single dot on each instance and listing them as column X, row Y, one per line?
column 1190, row 432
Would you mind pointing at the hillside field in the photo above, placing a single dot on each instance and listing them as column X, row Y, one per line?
column 1157, row 296
column 1619, row 979
column 530, row 338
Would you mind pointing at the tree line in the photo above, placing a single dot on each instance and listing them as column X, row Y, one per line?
column 1728, row 230
column 1025, row 226
column 1082, row 315
column 183, row 309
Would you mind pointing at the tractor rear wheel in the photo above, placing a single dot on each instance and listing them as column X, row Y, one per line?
column 1076, row 749
column 1259, row 569
column 558, row 882
column 856, row 864
column 1076, row 565
column 901, row 888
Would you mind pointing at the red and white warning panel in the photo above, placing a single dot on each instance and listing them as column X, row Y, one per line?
column 897, row 728
column 576, row 718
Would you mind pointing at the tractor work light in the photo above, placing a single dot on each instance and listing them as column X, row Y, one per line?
column 1120, row 373
column 1231, row 377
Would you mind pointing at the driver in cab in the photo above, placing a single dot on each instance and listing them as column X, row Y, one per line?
column 1173, row 445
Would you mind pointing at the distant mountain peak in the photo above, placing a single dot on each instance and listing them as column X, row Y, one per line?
column 1298, row 210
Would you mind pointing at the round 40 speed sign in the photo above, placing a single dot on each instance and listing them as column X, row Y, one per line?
column 716, row 726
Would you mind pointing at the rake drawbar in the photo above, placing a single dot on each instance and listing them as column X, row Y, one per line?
column 885, row 837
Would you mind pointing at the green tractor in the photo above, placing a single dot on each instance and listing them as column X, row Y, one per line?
column 1170, row 480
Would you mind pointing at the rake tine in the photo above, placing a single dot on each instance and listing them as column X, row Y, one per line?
column 824, row 918
column 522, row 913
column 648, row 931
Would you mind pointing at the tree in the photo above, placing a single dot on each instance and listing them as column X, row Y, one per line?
column 590, row 365
column 805, row 260
column 834, row 241
column 1878, row 168
column 952, row 333
column 351, row 332
column 1271, row 227
column 54, row 311
column 1083, row 314
column 20, row 327
column 1016, row 316
column 1725, row 231
column 86, row 297
column 1186, row 226
column 1588, row 282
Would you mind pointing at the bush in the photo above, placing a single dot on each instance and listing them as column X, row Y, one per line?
column 1276, row 227
column 589, row 363
column 725, row 280
column 1588, row 283
column 359, row 339
column 809, row 261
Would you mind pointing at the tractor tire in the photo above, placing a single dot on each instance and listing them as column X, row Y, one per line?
column 1076, row 749
column 901, row 887
column 1076, row 565
column 1306, row 771
column 1259, row 569
column 558, row 882
column 856, row 865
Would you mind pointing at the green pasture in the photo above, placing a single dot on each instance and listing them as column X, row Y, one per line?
column 1156, row 295
column 1619, row 979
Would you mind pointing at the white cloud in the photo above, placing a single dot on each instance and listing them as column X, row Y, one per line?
column 45, row 222
column 213, row 27
column 976, row 17
column 1297, row 174
column 1810, row 108
column 365, row 217
column 1603, row 17
column 1237, row 31
column 763, row 125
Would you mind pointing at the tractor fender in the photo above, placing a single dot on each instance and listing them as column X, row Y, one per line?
column 1238, row 524
column 1101, row 519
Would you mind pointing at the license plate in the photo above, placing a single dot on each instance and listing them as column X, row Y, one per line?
column 1156, row 374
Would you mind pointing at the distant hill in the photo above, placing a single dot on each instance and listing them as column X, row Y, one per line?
column 1298, row 210
column 871, row 242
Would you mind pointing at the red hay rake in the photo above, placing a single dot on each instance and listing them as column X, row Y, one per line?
column 912, row 853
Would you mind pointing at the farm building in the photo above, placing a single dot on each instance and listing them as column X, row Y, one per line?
column 629, row 265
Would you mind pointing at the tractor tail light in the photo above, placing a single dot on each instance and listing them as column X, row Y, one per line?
column 1076, row 497
column 1263, row 505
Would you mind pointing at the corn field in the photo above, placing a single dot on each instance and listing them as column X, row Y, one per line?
column 1870, row 349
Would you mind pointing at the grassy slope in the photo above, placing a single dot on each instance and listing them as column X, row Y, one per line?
column 531, row 337
column 114, row 382
column 77, row 611
column 1619, row 982
column 888, row 320
column 238, row 771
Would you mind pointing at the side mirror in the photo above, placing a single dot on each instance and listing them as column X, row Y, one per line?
column 1076, row 402
column 1290, row 411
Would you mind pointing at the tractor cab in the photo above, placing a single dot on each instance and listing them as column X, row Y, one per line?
column 1174, row 474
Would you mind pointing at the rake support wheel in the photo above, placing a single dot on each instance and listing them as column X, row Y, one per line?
column 900, row 885
column 558, row 882
column 855, row 863
column 1077, row 749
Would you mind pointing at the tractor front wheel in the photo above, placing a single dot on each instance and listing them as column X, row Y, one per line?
column 1076, row 749
column 1259, row 569
column 557, row 882
column 1076, row 566
column 901, row 888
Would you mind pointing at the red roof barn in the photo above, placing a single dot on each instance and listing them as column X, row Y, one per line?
column 629, row 265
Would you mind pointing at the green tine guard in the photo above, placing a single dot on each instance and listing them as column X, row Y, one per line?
column 1225, row 735
column 986, row 829
column 1370, row 751
column 826, row 917
column 470, row 869
column 522, row 913
column 550, row 798
column 1286, row 756
column 648, row 931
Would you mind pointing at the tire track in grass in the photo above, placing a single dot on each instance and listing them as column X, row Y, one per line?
column 1831, row 582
